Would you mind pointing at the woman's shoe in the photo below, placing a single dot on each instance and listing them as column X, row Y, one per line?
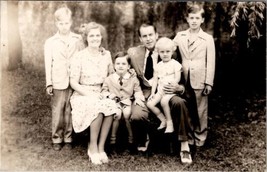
column 103, row 157
column 94, row 158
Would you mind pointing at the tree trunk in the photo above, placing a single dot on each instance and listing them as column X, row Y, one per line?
column 13, row 36
column 4, row 46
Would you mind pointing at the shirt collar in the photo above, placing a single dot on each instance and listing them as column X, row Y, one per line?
column 126, row 76
column 200, row 34
column 154, row 54
column 57, row 36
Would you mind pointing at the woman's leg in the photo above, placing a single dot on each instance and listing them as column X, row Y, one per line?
column 94, row 133
column 107, row 121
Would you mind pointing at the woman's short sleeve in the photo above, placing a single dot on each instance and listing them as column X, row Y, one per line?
column 110, row 63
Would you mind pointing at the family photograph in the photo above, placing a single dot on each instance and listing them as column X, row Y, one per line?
column 133, row 86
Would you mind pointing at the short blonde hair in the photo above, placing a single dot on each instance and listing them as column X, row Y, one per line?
column 195, row 8
column 85, row 29
column 62, row 12
column 164, row 41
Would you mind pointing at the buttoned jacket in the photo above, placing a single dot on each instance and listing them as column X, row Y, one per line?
column 200, row 61
column 57, row 55
column 130, row 87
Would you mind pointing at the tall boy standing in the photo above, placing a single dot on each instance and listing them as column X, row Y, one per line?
column 58, row 51
column 198, row 60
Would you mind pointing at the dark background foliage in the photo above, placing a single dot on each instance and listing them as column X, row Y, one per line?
column 238, row 29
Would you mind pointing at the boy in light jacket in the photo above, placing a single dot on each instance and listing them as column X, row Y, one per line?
column 197, row 50
column 58, row 51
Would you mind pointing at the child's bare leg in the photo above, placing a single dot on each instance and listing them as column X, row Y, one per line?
column 167, row 111
column 165, row 106
column 126, row 115
column 151, row 104
column 115, row 126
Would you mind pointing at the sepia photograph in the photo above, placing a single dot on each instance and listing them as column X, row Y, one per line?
column 133, row 86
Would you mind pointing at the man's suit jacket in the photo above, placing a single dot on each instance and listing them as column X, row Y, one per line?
column 137, row 56
column 200, row 62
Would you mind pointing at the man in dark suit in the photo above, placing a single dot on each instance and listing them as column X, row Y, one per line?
column 143, row 60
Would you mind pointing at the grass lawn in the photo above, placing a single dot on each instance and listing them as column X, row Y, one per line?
column 234, row 144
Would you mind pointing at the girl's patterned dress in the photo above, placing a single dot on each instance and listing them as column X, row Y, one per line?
column 90, row 71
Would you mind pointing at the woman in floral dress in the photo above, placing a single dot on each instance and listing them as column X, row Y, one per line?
column 89, row 68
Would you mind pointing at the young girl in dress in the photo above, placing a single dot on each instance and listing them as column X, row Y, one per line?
column 166, row 72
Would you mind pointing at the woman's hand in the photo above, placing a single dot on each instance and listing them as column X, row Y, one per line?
column 132, row 72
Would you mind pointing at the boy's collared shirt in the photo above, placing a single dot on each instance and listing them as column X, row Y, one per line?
column 58, row 53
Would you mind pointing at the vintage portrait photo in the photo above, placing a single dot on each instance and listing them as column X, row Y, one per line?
column 133, row 86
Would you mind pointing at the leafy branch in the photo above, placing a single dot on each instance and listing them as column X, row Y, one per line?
column 251, row 13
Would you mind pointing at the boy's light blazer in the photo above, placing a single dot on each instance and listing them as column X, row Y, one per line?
column 200, row 61
column 57, row 59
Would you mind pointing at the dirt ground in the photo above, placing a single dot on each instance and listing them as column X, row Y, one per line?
column 236, row 142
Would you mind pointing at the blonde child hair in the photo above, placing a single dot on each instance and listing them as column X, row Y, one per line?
column 62, row 12
column 164, row 41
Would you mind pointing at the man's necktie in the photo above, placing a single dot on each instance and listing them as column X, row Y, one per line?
column 120, row 80
column 149, row 66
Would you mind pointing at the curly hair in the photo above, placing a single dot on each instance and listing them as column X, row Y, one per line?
column 86, row 28
column 164, row 41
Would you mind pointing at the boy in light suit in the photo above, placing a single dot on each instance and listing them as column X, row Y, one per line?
column 58, row 51
column 198, row 60
column 122, row 86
